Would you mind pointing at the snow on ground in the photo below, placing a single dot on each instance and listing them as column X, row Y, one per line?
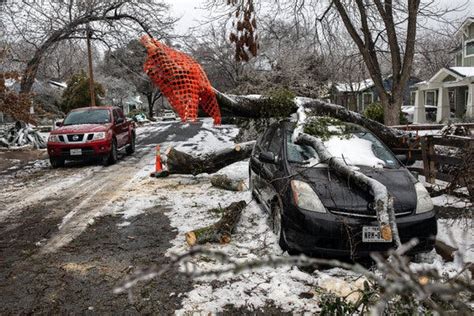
column 211, row 138
column 188, row 201
column 252, row 240
column 150, row 128
column 458, row 233
column 452, row 201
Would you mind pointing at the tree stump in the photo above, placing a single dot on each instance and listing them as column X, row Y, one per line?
column 224, row 182
column 222, row 230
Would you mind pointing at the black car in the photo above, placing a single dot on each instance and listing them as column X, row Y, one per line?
column 314, row 211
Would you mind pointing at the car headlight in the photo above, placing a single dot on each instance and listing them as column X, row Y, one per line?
column 54, row 139
column 306, row 198
column 423, row 199
column 99, row 135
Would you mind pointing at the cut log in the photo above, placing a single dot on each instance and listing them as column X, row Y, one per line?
column 224, row 182
column 222, row 230
column 445, row 251
column 179, row 162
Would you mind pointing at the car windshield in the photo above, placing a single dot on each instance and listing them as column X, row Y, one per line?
column 359, row 148
column 92, row 116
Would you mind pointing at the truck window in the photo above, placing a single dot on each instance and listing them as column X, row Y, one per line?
column 116, row 115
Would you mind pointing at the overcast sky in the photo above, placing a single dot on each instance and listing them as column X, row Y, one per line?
column 191, row 14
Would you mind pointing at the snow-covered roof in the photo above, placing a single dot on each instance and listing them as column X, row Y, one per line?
column 463, row 71
column 134, row 100
column 354, row 86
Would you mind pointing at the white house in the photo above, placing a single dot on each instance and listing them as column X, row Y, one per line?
column 451, row 89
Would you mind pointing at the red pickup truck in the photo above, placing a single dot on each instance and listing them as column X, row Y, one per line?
column 92, row 132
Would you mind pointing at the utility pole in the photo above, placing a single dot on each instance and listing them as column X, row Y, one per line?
column 91, row 72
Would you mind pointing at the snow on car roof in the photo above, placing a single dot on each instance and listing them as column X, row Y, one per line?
column 354, row 151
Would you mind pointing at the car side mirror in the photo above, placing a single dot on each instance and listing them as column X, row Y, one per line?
column 59, row 124
column 267, row 156
column 402, row 158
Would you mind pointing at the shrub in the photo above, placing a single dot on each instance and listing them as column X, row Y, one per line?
column 375, row 111
column 77, row 93
column 278, row 103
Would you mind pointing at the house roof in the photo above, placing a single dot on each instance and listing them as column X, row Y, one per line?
column 459, row 73
column 463, row 71
column 354, row 86
column 466, row 22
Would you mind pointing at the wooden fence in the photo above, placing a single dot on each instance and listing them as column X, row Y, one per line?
column 432, row 127
column 443, row 164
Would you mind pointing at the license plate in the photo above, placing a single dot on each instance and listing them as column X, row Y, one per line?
column 372, row 234
column 76, row 152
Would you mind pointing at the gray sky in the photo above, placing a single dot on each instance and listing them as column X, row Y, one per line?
column 191, row 14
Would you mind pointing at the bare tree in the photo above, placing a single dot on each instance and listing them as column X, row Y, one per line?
column 433, row 52
column 213, row 51
column 383, row 31
column 63, row 61
column 43, row 24
column 127, row 62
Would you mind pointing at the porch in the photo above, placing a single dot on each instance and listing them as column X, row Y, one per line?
column 451, row 90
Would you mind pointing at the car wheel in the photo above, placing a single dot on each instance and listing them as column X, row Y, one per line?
column 56, row 162
column 112, row 157
column 277, row 227
column 131, row 148
column 252, row 191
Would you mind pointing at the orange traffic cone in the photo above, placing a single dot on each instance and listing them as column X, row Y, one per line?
column 158, row 166
column 159, row 172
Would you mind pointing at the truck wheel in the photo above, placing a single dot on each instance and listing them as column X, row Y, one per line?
column 113, row 155
column 56, row 162
column 131, row 148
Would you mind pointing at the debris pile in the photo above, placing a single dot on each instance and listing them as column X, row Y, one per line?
column 21, row 135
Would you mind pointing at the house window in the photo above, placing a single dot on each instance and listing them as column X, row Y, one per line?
column 430, row 98
column 469, row 48
column 367, row 98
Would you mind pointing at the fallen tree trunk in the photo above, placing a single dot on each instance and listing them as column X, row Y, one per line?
column 224, row 182
column 179, row 162
column 222, row 230
column 252, row 107
column 392, row 137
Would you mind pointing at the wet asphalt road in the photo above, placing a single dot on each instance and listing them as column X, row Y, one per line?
column 44, row 270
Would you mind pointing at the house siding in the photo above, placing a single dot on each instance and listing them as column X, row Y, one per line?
column 468, row 61
column 355, row 100
column 459, row 60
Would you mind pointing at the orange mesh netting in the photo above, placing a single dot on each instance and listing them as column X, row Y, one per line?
column 181, row 79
